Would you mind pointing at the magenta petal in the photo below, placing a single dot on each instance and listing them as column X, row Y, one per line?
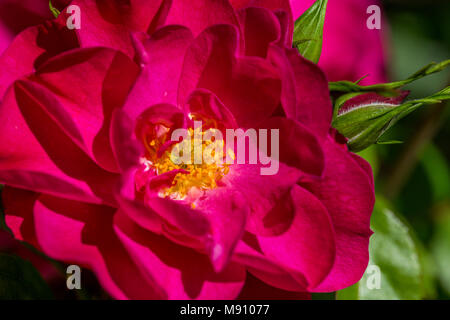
column 37, row 154
column 83, row 87
column 177, row 272
column 162, row 57
column 253, row 91
column 129, row 152
column 260, row 28
column 206, row 104
column 284, row 18
column 366, row 167
column 308, row 245
column 249, row 86
column 82, row 234
column 16, row 16
column 347, row 192
column 136, row 209
column 227, row 213
column 18, row 59
column 265, row 268
column 198, row 15
column 181, row 216
column 299, row 147
column 127, row 123
column 211, row 53
column 217, row 221
column 305, row 95
column 109, row 23
column 273, row 5
column 18, row 209
column 152, row 212
column 164, row 180
column 31, row 48
column 265, row 196
column 126, row 148
column 313, row 103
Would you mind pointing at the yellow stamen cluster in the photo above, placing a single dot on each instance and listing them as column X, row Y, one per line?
column 198, row 177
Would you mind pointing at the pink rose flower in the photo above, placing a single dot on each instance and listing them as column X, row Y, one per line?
column 87, row 117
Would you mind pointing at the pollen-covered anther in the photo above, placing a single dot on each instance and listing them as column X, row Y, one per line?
column 196, row 178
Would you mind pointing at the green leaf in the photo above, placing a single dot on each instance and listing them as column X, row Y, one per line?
column 438, row 172
column 308, row 31
column 348, row 86
column 440, row 247
column 20, row 280
column 55, row 11
column 396, row 260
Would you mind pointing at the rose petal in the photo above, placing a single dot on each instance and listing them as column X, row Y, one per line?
column 82, row 234
column 248, row 86
column 347, row 192
column 31, row 48
column 86, row 85
column 298, row 147
column 18, row 209
column 37, row 155
column 264, row 195
column 266, row 269
column 366, row 167
column 134, row 208
column 305, row 95
column 206, row 104
column 184, row 275
column 109, row 23
column 227, row 213
column 16, row 16
column 308, row 245
column 127, row 133
column 162, row 57
column 198, row 15
column 273, row 5
column 260, row 27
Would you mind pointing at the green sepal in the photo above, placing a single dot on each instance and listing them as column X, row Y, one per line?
column 308, row 31
column 55, row 11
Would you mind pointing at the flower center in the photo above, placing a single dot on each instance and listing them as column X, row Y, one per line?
column 195, row 175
